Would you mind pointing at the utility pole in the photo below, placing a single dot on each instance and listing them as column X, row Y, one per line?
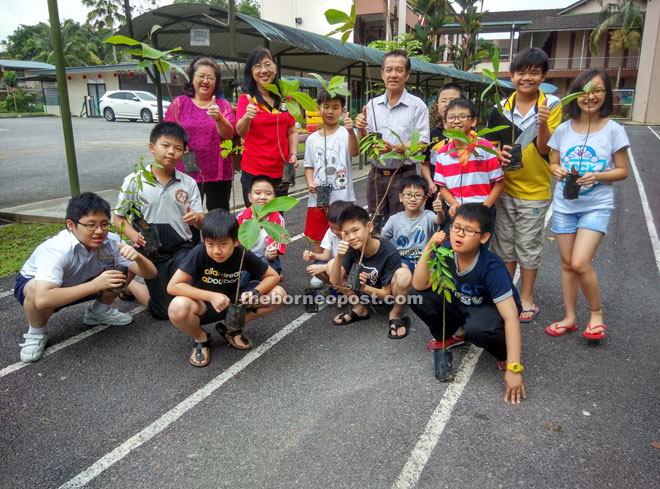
column 403, row 11
column 388, row 25
column 65, row 108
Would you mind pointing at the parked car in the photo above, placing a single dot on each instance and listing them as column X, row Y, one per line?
column 130, row 104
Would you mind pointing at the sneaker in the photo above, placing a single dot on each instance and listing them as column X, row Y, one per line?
column 316, row 283
column 110, row 316
column 502, row 365
column 451, row 342
column 33, row 347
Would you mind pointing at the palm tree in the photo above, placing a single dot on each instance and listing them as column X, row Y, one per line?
column 105, row 14
column 435, row 17
column 629, row 12
column 467, row 54
column 77, row 48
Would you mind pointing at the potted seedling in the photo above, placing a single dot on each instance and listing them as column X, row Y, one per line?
column 150, row 56
column 248, row 235
column 292, row 100
column 310, row 293
column 115, row 266
column 472, row 141
column 414, row 152
column 442, row 283
column 133, row 206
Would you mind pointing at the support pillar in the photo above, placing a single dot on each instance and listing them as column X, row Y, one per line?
column 646, row 107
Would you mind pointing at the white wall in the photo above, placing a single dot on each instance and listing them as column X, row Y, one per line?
column 311, row 12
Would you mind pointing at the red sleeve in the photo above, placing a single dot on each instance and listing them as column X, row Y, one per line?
column 246, row 214
column 292, row 121
column 241, row 105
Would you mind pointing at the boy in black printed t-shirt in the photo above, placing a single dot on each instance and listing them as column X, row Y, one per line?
column 206, row 282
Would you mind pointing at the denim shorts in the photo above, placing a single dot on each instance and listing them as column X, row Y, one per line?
column 596, row 220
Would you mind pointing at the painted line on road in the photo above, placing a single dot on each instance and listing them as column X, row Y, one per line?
column 650, row 224
column 60, row 346
column 420, row 455
column 182, row 408
column 6, row 293
column 656, row 134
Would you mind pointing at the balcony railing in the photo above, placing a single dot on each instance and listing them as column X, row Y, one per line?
column 601, row 62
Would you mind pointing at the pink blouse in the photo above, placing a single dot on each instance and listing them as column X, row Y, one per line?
column 203, row 137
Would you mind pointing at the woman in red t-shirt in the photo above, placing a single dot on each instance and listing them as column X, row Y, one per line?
column 257, row 123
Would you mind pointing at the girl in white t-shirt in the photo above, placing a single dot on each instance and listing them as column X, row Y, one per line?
column 596, row 147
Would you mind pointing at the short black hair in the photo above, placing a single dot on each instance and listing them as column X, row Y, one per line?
column 249, row 85
column 261, row 178
column 397, row 52
column 336, row 209
column 452, row 86
column 171, row 129
column 218, row 224
column 324, row 96
column 572, row 109
column 529, row 58
column 478, row 213
column 353, row 213
column 414, row 181
column 86, row 203
column 189, row 89
column 463, row 103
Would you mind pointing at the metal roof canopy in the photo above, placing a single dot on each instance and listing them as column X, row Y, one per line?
column 293, row 49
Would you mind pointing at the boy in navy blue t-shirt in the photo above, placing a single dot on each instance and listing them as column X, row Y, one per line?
column 485, row 302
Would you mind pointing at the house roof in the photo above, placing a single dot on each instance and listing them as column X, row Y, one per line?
column 502, row 21
column 25, row 65
column 567, row 22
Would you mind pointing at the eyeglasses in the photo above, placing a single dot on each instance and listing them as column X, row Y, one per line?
column 202, row 77
column 92, row 227
column 466, row 231
column 457, row 117
column 408, row 196
column 263, row 66
column 599, row 92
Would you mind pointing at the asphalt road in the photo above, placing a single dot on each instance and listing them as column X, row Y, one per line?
column 33, row 158
column 318, row 406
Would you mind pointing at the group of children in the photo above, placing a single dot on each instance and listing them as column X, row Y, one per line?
column 464, row 198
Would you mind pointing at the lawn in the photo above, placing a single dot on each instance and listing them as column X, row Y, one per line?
column 18, row 240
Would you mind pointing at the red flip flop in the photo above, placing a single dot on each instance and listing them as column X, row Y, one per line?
column 554, row 330
column 594, row 336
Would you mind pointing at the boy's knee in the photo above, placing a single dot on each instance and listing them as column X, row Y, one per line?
column 402, row 279
column 180, row 308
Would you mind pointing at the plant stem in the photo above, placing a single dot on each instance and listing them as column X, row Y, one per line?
column 444, row 302
column 240, row 270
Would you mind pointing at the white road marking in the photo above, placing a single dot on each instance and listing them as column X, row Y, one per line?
column 6, row 293
column 182, row 408
column 55, row 348
column 650, row 224
column 420, row 455
column 655, row 133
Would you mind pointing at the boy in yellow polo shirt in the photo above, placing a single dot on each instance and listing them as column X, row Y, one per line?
column 521, row 209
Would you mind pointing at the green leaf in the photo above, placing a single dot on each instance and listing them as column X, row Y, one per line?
column 305, row 100
column 248, row 233
column 151, row 53
column 342, row 91
column 434, row 286
column 457, row 134
column 486, row 90
column 278, row 204
column 276, row 232
column 489, row 73
column 163, row 66
column 570, row 97
column 256, row 210
column 336, row 82
column 447, row 295
column 294, row 109
column 414, row 138
column 286, row 86
column 345, row 37
column 122, row 40
column 134, row 52
column 487, row 149
column 496, row 61
column 154, row 29
column 143, row 64
column 320, row 79
column 334, row 16
column 447, row 282
column 272, row 88
column 180, row 70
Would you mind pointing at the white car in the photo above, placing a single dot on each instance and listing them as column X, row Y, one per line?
column 130, row 104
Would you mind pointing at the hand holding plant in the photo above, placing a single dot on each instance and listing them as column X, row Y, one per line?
column 128, row 252
column 219, row 301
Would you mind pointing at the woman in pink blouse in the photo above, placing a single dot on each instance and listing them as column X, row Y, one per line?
column 208, row 120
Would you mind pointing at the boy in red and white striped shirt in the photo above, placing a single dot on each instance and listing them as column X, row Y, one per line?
column 462, row 176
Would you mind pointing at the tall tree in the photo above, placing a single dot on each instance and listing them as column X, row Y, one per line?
column 105, row 14
column 434, row 13
column 629, row 12
column 79, row 49
column 467, row 54
column 248, row 7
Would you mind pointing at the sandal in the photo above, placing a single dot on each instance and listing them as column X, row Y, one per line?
column 197, row 357
column 353, row 317
column 397, row 323
column 555, row 330
column 594, row 336
column 230, row 336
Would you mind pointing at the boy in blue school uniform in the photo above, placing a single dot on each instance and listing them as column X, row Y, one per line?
column 485, row 302
column 71, row 268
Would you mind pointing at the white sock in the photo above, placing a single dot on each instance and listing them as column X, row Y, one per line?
column 32, row 330
column 98, row 307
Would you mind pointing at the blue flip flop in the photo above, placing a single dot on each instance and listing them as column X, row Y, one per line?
column 529, row 319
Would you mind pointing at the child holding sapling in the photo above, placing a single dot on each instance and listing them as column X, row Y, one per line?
column 171, row 205
column 320, row 270
column 484, row 301
column 206, row 283
column 593, row 146
column 262, row 191
column 328, row 154
column 463, row 177
column 77, row 265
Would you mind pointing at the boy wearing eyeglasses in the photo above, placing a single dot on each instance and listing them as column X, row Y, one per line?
column 484, row 302
column 466, row 174
column 72, row 267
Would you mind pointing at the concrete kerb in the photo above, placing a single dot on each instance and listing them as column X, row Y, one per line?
column 53, row 211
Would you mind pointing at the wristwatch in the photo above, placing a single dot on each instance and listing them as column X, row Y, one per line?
column 514, row 367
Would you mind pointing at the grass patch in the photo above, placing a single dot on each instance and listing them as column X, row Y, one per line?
column 18, row 241
column 22, row 114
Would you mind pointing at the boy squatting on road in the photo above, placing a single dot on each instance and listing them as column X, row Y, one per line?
column 485, row 301
column 382, row 275
column 206, row 283
column 172, row 205
column 70, row 268
column 328, row 153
